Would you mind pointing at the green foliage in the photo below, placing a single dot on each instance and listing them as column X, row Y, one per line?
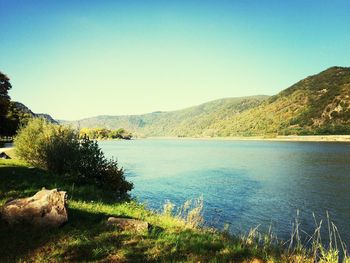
column 60, row 150
column 120, row 134
column 329, row 129
column 32, row 141
column 5, row 86
column 92, row 166
column 193, row 121
column 103, row 133
column 16, row 117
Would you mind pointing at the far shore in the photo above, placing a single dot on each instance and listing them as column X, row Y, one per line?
column 291, row 138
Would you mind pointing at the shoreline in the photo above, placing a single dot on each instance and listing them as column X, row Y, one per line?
column 291, row 138
column 85, row 225
column 8, row 146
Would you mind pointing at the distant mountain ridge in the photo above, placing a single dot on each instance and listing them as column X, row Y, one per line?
column 24, row 110
column 318, row 104
column 186, row 122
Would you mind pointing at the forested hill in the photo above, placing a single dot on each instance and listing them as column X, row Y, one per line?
column 319, row 104
column 19, row 114
column 193, row 121
column 21, row 109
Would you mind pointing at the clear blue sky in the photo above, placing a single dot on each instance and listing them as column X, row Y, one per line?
column 75, row 59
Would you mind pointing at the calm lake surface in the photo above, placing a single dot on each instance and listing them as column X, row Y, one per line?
column 243, row 183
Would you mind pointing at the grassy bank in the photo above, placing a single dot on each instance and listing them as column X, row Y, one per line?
column 86, row 237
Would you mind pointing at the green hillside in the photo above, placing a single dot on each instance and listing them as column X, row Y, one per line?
column 193, row 121
column 319, row 104
column 18, row 114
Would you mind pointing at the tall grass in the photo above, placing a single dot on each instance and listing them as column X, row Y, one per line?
column 300, row 247
column 191, row 211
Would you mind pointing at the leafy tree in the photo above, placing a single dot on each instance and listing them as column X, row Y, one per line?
column 14, row 119
column 5, row 86
column 120, row 134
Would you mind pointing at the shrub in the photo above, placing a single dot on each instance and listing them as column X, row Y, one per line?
column 60, row 149
column 31, row 141
column 92, row 166
column 120, row 134
column 102, row 133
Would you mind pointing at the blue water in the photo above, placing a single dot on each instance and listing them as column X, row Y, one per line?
column 243, row 183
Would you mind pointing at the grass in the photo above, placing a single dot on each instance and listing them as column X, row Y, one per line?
column 11, row 152
column 86, row 237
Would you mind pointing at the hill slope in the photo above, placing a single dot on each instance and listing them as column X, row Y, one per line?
column 22, row 109
column 19, row 114
column 193, row 121
column 319, row 104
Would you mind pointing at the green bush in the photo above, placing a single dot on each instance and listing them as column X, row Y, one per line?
column 102, row 133
column 120, row 134
column 60, row 150
column 31, row 142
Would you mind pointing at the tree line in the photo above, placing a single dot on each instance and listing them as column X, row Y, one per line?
column 103, row 133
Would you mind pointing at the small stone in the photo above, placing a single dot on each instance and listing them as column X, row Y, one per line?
column 128, row 224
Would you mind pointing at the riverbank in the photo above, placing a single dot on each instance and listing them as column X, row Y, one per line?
column 291, row 138
column 87, row 237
